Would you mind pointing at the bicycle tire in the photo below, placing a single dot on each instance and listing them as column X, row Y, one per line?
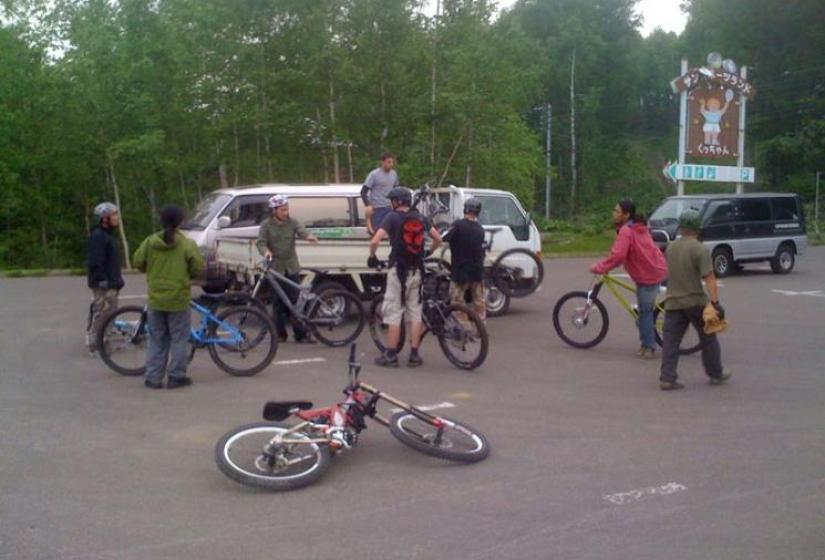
column 258, row 479
column 353, row 307
column 415, row 440
column 557, row 322
column 104, row 347
column 684, row 351
column 378, row 327
column 258, row 339
column 515, row 291
column 445, row 341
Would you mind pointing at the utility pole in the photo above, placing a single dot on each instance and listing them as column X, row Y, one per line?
column 816, row 204
column 573, row 133
column 548, row 167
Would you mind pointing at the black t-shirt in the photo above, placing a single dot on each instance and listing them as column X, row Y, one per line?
column 466, row 239
column 392, row 225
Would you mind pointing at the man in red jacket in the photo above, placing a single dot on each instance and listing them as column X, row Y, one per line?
column 643, row 261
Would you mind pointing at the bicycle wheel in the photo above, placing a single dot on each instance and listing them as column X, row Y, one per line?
column 453, row 440
column 246, row 455
column 337, row 317
column 690, row 343
column 122, row 338
column 248, row 346
column 463, row 337
column 578, row 323
column 379, row 329
column 523, row 270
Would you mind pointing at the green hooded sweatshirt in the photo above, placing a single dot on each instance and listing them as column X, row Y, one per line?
column 168, row 268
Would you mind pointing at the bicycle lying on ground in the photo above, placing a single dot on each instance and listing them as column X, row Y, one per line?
column 515, row 273
column 335, row 317
column 241, row 339
column 278, row 456
column 581, row 319
column 460, row 332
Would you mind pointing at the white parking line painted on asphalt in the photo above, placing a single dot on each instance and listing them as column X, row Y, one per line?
column 428, row 407
column 812, row 293
column 624, row 498
column 303, row 361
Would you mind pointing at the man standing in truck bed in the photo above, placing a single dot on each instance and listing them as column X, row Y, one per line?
column 377, row 186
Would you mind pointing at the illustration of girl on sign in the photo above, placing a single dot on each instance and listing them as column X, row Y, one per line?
column 710, row 109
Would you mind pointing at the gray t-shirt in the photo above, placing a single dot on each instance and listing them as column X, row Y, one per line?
column 380, row 182
column 688, row 261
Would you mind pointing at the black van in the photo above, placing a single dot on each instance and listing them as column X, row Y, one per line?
column 739, row 229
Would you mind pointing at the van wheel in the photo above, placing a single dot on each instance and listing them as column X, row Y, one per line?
column 722, row 262
column 784, row 260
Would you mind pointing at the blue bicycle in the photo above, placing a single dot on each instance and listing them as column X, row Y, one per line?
column 241, row 339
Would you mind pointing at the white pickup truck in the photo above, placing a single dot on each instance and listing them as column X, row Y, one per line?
column 225, row 227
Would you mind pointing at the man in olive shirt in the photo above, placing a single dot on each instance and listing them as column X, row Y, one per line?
column 276, row 241
column 688, row 263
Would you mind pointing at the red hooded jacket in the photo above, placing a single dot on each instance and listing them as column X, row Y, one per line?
column 634, row 248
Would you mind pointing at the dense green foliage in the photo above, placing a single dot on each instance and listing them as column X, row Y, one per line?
column 164, row 100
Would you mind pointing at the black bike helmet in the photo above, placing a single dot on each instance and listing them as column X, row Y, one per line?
column 402, row 195
column 472, row 206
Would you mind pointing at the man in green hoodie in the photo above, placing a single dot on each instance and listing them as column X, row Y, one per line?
column 170, row 261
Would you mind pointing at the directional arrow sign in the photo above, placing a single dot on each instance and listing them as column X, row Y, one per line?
column 713, row 173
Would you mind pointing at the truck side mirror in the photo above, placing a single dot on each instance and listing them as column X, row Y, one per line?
column 224, row 222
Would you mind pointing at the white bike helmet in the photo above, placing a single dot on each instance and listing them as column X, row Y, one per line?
column 278, row 200
column 105, row 209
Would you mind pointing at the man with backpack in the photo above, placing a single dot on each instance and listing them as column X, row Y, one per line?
column 466, row 240
column 103, row 270
column 407, row 230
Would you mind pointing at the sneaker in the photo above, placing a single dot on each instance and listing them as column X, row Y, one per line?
column 387, row 360
column 178, row 383
column 414, row 360
column 282, row 338
column 670, row 385
column 153, row 384
column 306, row 340
column 646, row 353
column 722, row 379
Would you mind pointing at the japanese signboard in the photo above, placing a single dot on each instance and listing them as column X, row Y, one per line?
column 713, row 123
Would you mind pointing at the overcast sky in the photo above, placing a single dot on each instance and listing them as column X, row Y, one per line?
column 657, row 13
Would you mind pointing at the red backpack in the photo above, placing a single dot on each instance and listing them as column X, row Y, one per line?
column 413, row 238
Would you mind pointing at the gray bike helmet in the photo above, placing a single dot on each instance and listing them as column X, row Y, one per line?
column 401, row 195
column 472, row 206
column 105, row 209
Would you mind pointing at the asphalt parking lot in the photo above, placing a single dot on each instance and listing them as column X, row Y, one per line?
column 589, row 458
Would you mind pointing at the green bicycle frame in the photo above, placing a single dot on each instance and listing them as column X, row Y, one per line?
column 614, row 284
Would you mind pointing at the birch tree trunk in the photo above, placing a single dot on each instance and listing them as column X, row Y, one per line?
column 127, row 255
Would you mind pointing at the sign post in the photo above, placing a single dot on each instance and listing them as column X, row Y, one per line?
column 680, row 185
column 740, row 160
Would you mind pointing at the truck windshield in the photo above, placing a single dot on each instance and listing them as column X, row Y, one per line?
column 206, row 210
column 670, row 210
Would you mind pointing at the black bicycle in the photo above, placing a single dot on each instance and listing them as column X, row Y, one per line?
column 335, row 317
column 515, row 273
column 461, row 333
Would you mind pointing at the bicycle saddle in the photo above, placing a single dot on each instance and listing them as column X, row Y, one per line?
column 281, row 410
